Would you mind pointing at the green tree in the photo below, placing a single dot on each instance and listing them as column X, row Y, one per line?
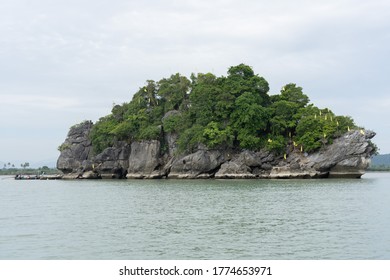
column 309, row 133
column 249, row 119
column 215, row 136
column 318, row 127
column 203, row 99
column 282, row 120
column 173, row 123
column 101, row 134
column 190, row 139
column 277, row 144
column 174, row 91
column 344, row 123
column 241, row 79
column 126, row 129
column 25, row 165
column 294, row 94
column 149, row 132
column 241, row 70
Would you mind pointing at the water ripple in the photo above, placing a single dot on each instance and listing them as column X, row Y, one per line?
column 196, row 219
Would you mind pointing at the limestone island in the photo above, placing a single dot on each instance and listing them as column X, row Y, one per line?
column 217, row 127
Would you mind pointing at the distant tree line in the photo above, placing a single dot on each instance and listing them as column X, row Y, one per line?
column 10, row 169
column 380, row 163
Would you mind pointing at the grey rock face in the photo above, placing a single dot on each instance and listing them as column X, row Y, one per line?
column 348, row 156
column 234, row 170
column 250, row 158
column 353, row 167
column 76, row 159
column 90, row 175
column 239, row 166
column 201, row 164
column 171, row 142
column 76, row 149
column 170, row 138
column 113, row 162
column 144, row 160
column 247, row 164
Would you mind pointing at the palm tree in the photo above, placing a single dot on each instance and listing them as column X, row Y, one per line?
column 25, row 165
column 150, row 93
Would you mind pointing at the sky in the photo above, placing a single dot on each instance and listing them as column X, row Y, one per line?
column 62, row 62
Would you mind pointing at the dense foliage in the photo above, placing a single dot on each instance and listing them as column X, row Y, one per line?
column 235, row 112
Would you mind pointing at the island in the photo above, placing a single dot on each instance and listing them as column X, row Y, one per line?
column 226, row 127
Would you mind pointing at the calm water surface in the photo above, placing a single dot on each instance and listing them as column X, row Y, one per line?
column 196, row 219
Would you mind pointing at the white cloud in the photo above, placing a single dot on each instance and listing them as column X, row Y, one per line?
column 38, row 102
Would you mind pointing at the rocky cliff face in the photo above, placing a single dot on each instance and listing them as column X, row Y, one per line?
column 201, row 164
column 348, row 156
column 144, row 160
column 76, row 149
column 113, row 162
column 77, row 160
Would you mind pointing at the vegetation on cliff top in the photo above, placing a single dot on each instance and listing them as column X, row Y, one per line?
column 235, row 111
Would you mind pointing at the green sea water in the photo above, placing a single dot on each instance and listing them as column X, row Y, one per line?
column 196, row 219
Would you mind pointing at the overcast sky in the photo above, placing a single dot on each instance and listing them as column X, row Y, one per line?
column 62, row 62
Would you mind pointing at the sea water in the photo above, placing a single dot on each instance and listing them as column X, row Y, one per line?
column 196, row 219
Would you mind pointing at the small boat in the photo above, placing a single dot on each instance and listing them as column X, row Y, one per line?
column 26, row 177
column 38, row 177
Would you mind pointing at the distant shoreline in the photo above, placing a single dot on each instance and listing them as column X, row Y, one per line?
column 29, row 171
column 377, row 171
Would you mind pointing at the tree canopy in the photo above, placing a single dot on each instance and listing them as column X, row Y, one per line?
column 233, row 111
